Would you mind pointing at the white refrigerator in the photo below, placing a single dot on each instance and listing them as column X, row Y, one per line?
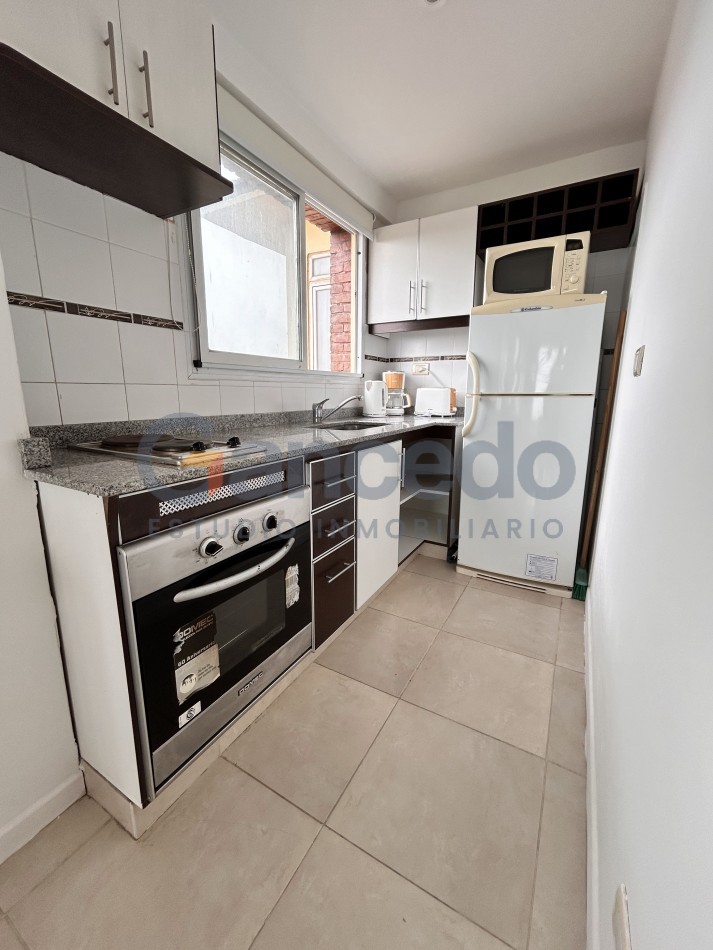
column 529, row 412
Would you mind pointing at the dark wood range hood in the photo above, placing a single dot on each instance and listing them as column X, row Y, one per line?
column 50, row 123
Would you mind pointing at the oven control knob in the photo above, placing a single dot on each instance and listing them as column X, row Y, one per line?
column 269, row 522
column 211, row 547
column 242, row 533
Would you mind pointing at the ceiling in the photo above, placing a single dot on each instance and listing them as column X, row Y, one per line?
column 429, row 98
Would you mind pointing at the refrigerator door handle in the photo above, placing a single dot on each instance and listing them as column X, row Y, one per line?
column 474, row 366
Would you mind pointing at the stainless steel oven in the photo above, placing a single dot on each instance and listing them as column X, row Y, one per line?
column 217, row 610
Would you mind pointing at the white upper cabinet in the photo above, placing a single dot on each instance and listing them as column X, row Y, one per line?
column 446, row 274
column 424, row 269
column 99, row 45
column 175, row 88
column 393, row 273
column 71, row 39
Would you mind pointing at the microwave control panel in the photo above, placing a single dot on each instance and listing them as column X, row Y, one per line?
column 574, row 270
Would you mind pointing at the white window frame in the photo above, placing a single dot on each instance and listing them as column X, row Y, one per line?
column 212, row 363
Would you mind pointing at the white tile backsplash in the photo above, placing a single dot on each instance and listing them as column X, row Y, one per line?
column 147, row 354
column 85, row 349
column 293, row 398
column 236, row 400
column 130, row 227
column 13, row 192
column 33, row 345
column 73, row 266
column 92, row 402
column 60, row 201
column 268, row 398
column 151, row 402
column 17, row 248
column 199, row 400
column 41, row 404
column 141, row 282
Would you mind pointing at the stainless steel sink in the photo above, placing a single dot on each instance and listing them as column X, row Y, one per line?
column 350, row 426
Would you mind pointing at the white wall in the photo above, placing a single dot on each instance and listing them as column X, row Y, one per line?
column 40, row 770
column 63, row 241
column 606, row 161
column 649, row 616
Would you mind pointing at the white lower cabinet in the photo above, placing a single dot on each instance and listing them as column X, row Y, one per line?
column 378, row 501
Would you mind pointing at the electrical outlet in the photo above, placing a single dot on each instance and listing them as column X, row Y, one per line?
column 421, row 369
column 620, row 919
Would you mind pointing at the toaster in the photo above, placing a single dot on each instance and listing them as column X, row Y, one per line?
column 433, row 402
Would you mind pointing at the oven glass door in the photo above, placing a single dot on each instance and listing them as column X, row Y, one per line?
column 193, row 651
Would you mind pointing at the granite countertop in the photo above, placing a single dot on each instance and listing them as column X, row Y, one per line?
column 106, row 475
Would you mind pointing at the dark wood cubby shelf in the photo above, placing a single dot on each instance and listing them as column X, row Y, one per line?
column 52, row 124
column 605, row 206
column 437, row 323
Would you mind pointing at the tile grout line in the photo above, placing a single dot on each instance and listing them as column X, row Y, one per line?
column 21, row 940
column 537, row 857
column 420, row 887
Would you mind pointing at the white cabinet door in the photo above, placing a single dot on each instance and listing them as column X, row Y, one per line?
column 392, row 273
column 378, row 510
column 446, row 279
column 178, row 41
column 68, row 38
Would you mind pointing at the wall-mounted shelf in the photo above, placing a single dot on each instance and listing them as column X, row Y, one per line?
column 52, row 124
column 402, row 326
column 604, row 206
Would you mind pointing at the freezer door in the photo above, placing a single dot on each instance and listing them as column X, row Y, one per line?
column 540, row 351
column 522, row 487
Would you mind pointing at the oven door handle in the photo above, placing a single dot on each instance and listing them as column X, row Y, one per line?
column 215, row 587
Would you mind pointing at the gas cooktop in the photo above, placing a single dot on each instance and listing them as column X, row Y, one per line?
column 164, row 449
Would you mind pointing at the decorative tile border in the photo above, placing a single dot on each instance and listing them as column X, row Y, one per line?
column 33, row 302
column 413, row 359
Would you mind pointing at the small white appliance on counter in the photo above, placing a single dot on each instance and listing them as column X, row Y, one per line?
column 374, row 397
column 533, row 269
column 433, row 402
column 529, row 411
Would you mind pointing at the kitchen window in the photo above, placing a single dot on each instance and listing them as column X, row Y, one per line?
column 275, row 276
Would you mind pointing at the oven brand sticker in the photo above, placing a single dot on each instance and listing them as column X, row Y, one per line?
column 541, row 567
column 189, row 714
column 292, row 585
column 196, row 656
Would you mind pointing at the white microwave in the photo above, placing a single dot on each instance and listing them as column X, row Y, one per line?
column 546, row 266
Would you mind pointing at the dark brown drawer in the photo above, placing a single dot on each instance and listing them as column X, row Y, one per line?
column 332, row 525
column 333, row 591
column 332, row 479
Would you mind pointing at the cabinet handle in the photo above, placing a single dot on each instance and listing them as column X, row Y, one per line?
column 423, row 294
column 347, row 524
column 330, row 578
column 339, row 481
column 109, row 41
column 403, row 467
column 411, row 296
column 147, row 79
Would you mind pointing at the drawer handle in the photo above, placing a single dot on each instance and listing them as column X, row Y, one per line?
column 339, row 481
column 347, row 524
column 330, row 578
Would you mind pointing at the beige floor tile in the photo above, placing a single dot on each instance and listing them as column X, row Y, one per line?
column 559, row 913
column 206, row 875
column 340, row 897
column 570, row 606
column 8, row 937
column 307, row 745
column 420, row 598
column 492, row 690
column 380, row 650
column 441, row 570
column 517, row 593
column 453, row 811
column 570, row 649
column 566, row 743
column 505, row 622
column 53, row 845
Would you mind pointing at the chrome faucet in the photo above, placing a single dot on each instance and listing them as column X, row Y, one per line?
column 318, row 414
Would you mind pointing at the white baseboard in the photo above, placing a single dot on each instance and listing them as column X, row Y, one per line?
column 25, row 826
column 593, row 941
